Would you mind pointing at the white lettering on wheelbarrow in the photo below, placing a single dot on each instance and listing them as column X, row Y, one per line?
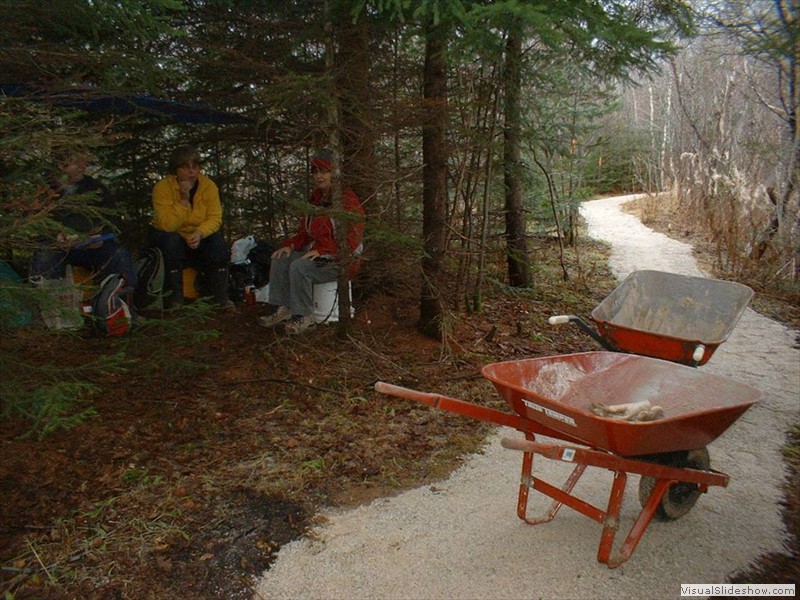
column 549, row 412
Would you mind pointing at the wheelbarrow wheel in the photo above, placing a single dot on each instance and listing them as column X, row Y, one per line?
column 680, row 497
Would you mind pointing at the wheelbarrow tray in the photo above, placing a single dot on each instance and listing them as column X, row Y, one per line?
column 666, row 315
column 557, row 392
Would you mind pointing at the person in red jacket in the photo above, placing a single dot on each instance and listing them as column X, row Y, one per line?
column 312, row 254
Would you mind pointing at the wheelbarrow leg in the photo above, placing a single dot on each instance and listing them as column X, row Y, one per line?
column 525, row 485
column 640, row 525
column 664, row 476
column 611, row 520
column 527, row 481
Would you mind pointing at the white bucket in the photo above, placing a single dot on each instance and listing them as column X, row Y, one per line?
column 262, row 293
column 326, row 301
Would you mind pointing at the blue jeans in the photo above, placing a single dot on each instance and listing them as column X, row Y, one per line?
column 109, row 258
column 292, row 279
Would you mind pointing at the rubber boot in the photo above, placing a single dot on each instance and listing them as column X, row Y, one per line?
column 218, row 282
column 174, row 289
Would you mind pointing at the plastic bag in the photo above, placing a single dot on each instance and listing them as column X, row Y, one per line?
column 241, row 248
column 61, row 303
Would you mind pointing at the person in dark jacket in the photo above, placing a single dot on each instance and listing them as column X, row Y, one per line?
column 312, row 254
column 86, row 240
column 187, row 227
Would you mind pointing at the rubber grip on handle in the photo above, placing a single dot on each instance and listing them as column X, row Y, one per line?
column 699, row 352
column 558, row 320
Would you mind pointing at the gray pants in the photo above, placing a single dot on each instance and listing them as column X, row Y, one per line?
column 292, row 279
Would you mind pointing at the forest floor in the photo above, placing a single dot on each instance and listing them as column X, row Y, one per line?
column 211, row 449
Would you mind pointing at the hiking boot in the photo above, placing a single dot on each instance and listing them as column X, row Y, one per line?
column 282, row 314
column 299, row 324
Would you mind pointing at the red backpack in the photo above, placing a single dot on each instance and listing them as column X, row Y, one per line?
column 109, row 311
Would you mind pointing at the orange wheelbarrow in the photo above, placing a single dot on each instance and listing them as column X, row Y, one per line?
column 664, row 315
column 564, row 397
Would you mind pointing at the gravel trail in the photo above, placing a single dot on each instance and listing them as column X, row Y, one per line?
column 461, row 538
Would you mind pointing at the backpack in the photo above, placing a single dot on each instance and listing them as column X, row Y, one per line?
column 149, row 265
column 253, row 271
column 240, row 277
column 261, row 259
column 110, row 313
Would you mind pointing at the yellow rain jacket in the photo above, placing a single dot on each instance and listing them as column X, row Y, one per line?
column 205, row 213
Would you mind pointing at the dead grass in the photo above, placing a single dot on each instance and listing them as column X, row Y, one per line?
column 777, row 294
column 780, row 302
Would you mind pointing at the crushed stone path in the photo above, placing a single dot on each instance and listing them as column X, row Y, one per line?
column 461, row 538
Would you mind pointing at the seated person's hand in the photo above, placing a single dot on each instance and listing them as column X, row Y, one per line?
column 311, row 255
column 186, row 188
column 65, row 239
column 284, row 250
column 193, row 241
column 99, row 243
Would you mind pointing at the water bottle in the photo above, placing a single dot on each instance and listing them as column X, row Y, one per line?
column 250, row 295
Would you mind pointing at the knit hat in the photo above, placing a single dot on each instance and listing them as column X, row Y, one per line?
column 323, row 160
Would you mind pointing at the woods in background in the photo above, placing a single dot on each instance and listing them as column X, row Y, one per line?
column 470, row 130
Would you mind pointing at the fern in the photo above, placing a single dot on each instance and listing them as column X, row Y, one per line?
column 50, row 407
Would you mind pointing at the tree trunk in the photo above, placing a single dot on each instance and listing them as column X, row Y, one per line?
column 333, row 126
column 519, row 272
column 358, row 135
column 434, row 180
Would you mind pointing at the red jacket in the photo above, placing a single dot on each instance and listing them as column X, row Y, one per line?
column 318, row 231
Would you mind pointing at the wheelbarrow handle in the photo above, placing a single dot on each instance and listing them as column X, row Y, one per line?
column 563, row 319
column 475, row 411
column 558, row 320
column 403, row 392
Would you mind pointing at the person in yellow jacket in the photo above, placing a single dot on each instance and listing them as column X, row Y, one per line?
column 187, row 225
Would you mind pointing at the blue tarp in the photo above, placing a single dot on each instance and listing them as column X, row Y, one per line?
column 128, row 104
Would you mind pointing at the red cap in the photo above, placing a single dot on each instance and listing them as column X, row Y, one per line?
column 323, row 160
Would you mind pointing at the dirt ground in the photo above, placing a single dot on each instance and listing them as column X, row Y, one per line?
column 208, row 453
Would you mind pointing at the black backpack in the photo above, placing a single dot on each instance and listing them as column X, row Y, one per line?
column 110, row 312
column 149, row 292
column 261, row 259
column 252, row 272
